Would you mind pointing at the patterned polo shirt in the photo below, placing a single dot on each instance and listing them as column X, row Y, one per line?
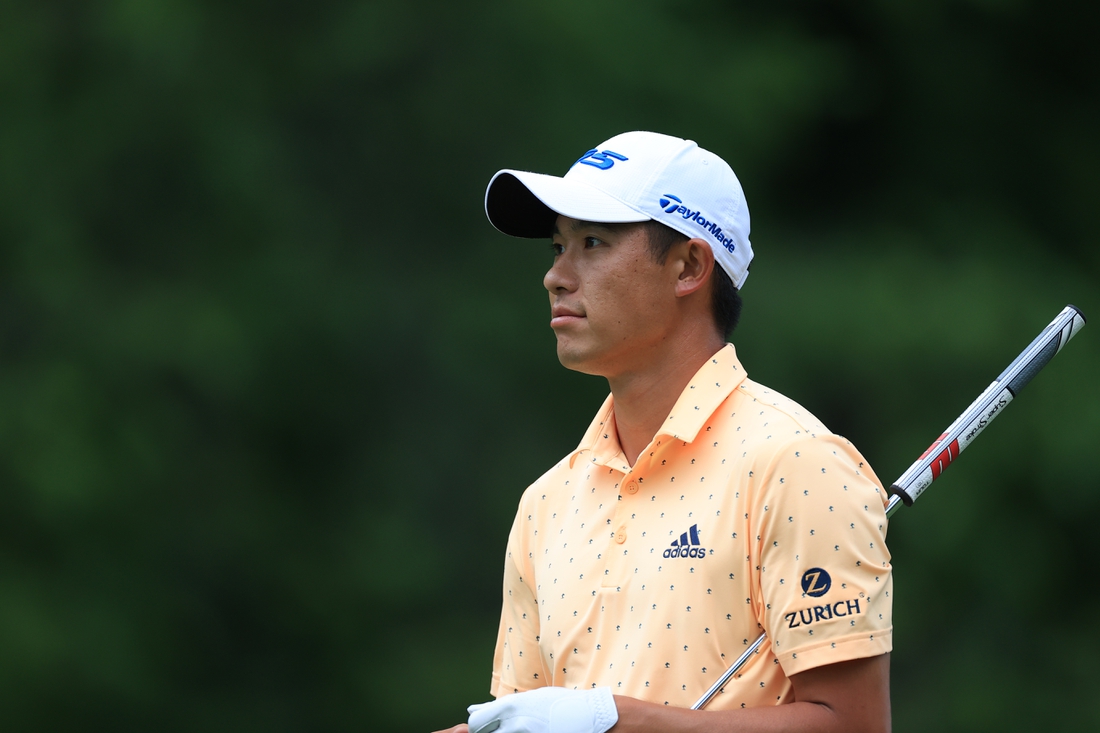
column 743, row 514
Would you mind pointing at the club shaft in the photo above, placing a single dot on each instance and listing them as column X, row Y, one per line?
column 958, row 435
column 729, row 673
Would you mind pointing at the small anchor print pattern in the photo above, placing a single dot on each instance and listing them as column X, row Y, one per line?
column 743, row 514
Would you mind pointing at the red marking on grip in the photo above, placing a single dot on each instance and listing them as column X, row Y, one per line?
column 932, row 447
column 943, row 460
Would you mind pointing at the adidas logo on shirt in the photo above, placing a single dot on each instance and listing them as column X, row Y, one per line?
column 687, row 545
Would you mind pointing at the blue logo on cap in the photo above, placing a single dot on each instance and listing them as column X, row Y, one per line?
column 675, row 205
column 600, row 159
column 816, row 582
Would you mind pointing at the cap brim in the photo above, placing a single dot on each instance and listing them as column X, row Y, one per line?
column 525, row 204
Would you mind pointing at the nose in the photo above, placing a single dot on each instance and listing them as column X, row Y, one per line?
column 560, row 278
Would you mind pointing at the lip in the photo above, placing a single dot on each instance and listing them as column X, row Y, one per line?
column 563, row 316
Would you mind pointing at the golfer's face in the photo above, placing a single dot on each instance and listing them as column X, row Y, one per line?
column 608, row 298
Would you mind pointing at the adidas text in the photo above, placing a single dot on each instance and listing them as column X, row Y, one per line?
column 687, row 546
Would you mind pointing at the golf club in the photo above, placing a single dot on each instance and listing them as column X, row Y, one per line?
column 959, row 434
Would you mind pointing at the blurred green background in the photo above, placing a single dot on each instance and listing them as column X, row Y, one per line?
column 271, row 386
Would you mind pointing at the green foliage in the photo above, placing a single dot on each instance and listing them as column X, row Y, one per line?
column 270, row 385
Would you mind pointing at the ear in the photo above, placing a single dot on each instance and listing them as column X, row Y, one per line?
column 695, row 262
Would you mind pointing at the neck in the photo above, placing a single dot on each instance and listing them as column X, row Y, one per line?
column 644, row 396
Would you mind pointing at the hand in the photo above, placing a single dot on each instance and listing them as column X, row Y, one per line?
column 547, row 710
column 460, row 728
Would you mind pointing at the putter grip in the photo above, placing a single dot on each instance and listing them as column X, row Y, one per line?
column 989, row 405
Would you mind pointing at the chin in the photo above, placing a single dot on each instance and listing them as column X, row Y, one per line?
column 578, row 359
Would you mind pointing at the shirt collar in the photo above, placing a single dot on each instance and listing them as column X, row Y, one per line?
column 708, row 389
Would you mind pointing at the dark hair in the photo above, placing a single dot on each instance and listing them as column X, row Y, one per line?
column 725, row 298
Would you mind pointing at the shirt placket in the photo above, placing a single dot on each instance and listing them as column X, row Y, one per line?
column 622, row 540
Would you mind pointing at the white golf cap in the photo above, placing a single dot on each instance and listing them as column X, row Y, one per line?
column 635, row 176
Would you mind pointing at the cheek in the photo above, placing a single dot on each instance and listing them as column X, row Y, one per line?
column 629, row 299
column 645, row 282
column 614, row 293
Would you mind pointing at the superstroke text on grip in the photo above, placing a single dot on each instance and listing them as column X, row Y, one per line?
column 990, row 404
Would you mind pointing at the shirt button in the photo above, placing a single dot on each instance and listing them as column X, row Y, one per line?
column 632, row 487
column 620, row 536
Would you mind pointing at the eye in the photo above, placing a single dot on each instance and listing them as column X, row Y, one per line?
column 590, row 242
column 556, row 248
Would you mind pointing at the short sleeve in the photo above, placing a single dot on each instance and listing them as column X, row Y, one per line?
column 822, row 565
column 517, row 662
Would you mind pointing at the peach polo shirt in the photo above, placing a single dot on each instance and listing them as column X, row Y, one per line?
column 743, row 514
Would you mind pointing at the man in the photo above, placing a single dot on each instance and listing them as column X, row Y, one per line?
column 700, row 508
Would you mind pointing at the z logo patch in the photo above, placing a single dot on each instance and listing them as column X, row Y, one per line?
column 816, row 582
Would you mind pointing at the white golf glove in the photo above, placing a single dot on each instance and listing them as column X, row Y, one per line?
column 547, row 710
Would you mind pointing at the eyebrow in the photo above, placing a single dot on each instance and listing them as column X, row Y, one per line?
column 581, row 224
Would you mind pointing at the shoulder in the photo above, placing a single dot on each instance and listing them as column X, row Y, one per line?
column 776, row 408
column 767, row 422
column 781, row 433
column 556, row 481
